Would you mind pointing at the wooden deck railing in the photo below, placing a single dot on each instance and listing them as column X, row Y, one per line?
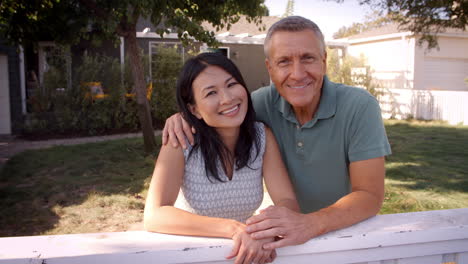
column 431, row 237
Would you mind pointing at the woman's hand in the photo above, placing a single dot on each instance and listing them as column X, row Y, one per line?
column 250, row 251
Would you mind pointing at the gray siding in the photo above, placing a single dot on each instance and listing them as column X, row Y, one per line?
column 251, row 62
column 248, row 57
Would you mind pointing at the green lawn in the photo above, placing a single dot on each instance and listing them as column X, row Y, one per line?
column 428, row 169
column 100, row 187
column 75, row 189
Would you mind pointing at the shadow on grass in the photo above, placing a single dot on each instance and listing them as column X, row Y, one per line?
column 35, row 184
column 428, row 156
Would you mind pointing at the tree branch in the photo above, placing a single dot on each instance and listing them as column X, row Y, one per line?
column 92, row 5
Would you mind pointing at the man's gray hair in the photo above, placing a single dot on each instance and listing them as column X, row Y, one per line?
column 293, row 24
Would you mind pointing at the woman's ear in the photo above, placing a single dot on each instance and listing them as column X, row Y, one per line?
column 194, row 111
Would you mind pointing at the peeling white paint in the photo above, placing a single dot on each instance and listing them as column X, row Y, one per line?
column 399, row 238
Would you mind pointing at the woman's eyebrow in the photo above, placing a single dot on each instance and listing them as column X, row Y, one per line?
column 208, row 87
column 228, row 79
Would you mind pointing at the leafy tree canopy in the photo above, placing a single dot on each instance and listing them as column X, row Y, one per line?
column 426, row 18
column 372, row 21
column 66, row 21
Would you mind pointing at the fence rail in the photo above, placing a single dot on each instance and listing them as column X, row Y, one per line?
column 432, row 237
column 450, row 106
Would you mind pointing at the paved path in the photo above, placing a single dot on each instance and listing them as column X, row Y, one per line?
column 10, row 145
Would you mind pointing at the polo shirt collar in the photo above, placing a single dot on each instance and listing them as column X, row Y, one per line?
column 326, row 109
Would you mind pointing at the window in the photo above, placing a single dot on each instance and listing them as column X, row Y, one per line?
column 223, row 50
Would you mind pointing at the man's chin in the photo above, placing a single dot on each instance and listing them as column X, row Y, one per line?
column 299, row 101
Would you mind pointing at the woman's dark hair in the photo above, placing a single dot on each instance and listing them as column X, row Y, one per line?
column 207, row 138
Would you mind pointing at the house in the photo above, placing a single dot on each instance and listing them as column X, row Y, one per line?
column 242, row 43
column 11, row 96
column 22, row 69
column 417, row 82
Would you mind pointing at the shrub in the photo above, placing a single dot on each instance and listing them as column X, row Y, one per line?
column 165, row 67
column 76, row 110
column 350, row 71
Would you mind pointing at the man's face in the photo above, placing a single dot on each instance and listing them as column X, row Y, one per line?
column 297, row 64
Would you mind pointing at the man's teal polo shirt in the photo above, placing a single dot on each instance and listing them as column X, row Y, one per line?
column 347, row 127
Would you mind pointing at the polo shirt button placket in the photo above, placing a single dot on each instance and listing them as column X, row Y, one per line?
column 299, row 140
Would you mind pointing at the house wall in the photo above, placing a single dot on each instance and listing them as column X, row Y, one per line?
column 5, row 119
column 391, row 60
column 14, row 86
column 399, row 63
column 417, row 82
column 444, row 68
column 250, row 60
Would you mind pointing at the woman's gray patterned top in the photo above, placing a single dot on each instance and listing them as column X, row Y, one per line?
column 235, row 199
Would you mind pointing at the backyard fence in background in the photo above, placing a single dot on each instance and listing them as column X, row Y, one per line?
column 449, row 106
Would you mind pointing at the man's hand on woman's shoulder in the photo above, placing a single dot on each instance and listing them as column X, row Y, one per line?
column 176, row 129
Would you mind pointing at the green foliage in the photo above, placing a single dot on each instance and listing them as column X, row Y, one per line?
column 350, row 71
column 59, row 110
column 24, row 21
column 187, row 17
column 69, row 21
column 374, row 20
column 346, row 31
column 75, row 110
column 426, row 18
column 54, row 78
column 167, row 63
column 56, row 59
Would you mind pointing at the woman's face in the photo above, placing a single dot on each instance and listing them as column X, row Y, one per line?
column 220, row 100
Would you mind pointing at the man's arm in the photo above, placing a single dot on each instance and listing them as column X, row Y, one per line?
column 276, row 177
column 364, row 201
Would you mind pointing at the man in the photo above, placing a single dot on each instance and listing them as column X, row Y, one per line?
column 331, row 137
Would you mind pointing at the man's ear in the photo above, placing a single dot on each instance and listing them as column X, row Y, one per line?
column 194, row 111
column 325, row 61
column 267, row 64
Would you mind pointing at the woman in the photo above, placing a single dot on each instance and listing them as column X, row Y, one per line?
column 220, row 176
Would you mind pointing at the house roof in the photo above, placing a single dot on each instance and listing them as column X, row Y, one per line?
column 393, row 28
column 243, row 28
column 240, row 32
column 383, row 30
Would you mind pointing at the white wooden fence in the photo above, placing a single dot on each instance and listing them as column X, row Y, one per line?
column 450, row 106
column 432, row 237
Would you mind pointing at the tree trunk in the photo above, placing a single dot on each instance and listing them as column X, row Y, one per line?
column 143, row 106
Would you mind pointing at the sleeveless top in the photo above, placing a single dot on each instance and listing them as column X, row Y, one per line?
column 236, row 199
